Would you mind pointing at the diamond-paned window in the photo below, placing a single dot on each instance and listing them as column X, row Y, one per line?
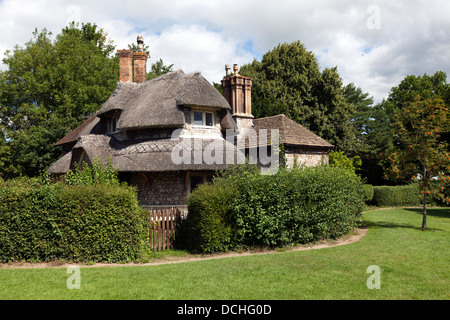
column 198, row 118
column 208, row 119
column 201, row 118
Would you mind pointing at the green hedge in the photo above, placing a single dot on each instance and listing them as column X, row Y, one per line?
column 294, row 206
column 367, row 190
column 393, row 196
column 74, row 223
column 207, row 228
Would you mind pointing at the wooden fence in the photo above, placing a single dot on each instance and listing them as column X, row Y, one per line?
column 163, row 223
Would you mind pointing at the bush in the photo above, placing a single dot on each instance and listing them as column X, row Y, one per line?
column 367, row 190
column 75, row 223
column 393, row 196
column 290, row 207
column 339, row 159
column 207, row 228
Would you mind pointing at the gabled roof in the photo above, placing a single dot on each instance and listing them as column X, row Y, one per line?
column 82, row 129
column 291, row 133
column 156, row 103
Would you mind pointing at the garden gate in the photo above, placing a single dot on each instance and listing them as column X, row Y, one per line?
column 163, row 223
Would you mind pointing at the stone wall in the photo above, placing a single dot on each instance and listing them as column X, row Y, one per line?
column 160, row 188
column 305, row 156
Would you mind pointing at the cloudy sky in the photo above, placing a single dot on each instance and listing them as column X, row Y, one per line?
column 374, row 43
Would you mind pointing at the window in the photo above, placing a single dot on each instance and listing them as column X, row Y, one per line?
column 198, row 118
column 202, row 118
column 195, row 182
column 208, row 119
column 198, row 179
column 112, row 125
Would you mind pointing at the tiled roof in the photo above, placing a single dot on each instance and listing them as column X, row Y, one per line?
column 291, row 133
column 78, row 131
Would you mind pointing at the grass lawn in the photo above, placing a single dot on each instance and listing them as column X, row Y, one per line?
column 414, row 264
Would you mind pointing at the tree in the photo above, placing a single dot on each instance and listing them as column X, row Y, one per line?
column 425, row 86
column 288, row 81
column 158, row 69
column 420, row 154
column 49, row 87
column 340, row 160
column 373, row 133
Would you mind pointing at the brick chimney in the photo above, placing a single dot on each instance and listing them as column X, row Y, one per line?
column 237, row 91
column 126, row 59
column 140, row 62
column 125, row 65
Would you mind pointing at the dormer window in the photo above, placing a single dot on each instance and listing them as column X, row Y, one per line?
column 203, row 118
column 112, row 124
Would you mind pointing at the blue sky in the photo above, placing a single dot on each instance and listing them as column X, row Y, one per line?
column 374, row 43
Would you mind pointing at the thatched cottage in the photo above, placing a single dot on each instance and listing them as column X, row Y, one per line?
column 171, row 133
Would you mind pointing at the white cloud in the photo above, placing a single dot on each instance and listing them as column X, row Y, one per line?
column 413, row 36
column 196, row 49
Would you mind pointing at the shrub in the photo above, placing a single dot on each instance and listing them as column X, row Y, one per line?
column 339, row 159
column 392, row 196
column 292, row 206
column 75, row 223
column 207, row 229
column 89, row 175
column 367, row 190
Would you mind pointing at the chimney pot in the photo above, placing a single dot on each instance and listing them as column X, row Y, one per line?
column 140, row 42
column 227, row 70
column 235, row 69
column 140, row 62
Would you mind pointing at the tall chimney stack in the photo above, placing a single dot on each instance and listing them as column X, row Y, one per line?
column 125, row 65
column 237, row 91
column 140, row 61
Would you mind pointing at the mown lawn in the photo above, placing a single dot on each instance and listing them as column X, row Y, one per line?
column 413, row 263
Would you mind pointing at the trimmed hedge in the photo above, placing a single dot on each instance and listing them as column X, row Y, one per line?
column 207, row 228
column 291, row 207
column 367, row 190
column 394, row 196
column 99, row 223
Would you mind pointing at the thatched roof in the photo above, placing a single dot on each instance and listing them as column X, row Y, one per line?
column 151, row 155
column 156, row 103
column 62, row 165
column 291, row 133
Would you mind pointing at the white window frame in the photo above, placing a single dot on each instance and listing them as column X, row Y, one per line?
column 204, row 112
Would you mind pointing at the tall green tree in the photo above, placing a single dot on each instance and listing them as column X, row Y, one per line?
column 373, row 133
column 51, row 84
column 402, row 96
column 420, row 154
column 288, row 81
column 426, row 86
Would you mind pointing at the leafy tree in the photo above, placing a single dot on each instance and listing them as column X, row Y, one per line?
column 288, row 81
column 50, row 86
column 425, row 86
column 158, row 69
column 420, row 154
column 373, row 133
column 428, row 87
column 340, row 160
column 363, row 107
